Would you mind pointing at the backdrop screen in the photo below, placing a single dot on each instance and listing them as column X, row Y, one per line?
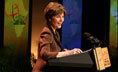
column 71, row 28
column 113, row 27
column 14, row 56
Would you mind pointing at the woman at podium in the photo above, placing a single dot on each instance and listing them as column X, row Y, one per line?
column 49, row 40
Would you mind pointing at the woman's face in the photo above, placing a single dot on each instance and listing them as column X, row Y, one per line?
column 56, row 21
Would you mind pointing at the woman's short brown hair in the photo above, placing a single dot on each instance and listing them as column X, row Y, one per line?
column 52, row 9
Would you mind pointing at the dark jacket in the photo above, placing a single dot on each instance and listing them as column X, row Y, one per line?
column 48, row 49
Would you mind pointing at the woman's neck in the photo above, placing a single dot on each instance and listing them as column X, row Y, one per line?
column 53, row 29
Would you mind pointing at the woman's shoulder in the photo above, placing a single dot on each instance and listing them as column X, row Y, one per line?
column 46, row 35
column 46, row 29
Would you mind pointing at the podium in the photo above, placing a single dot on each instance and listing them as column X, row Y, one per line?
column 74, row 63
column 89, row 61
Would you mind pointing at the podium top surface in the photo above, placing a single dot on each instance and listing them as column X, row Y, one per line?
column 82, row 60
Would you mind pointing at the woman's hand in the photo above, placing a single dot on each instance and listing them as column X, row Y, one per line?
column 69, row 52
column 74, row 51
column 77, row 50
column 65, row 53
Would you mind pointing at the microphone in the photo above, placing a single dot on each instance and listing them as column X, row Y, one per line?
column 93, row 39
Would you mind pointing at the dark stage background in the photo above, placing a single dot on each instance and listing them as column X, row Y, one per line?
column 95, row 20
